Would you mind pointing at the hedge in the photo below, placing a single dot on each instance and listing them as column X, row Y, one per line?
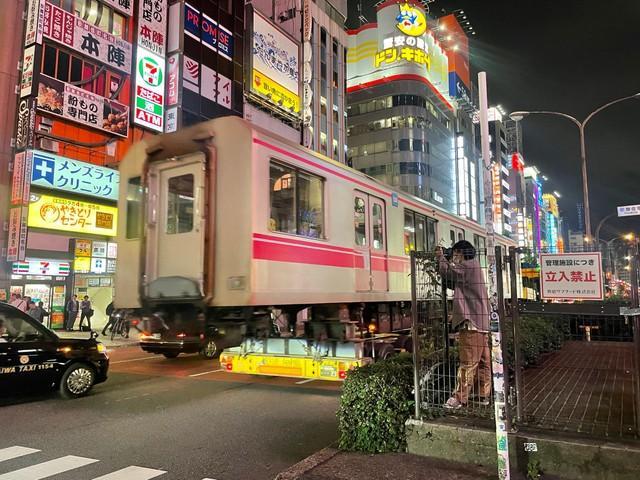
column 376, row 401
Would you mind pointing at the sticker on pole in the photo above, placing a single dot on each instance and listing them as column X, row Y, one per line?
column 571, row 276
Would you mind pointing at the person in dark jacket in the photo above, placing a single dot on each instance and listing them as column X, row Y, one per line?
column 71, row 311
column 470, row 318
column 86, row 311
column 111, row 319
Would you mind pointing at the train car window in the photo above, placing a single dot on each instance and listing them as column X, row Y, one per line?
column 360, row 221
column 409, row 232
column 377, row 223
column 452, row 236
column 431, row 234
column 134, row 208
column 297, row 202
column 180, row 204
column 421, row 233
column 461, row 235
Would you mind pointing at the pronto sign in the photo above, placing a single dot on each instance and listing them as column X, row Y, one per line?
column 571, row 276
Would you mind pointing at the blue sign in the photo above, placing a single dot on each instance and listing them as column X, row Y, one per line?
column 61, row 173
column 457, row 88
column 191, row 21
column 204, row 29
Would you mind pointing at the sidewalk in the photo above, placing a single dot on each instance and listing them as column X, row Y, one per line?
column 115, row 343
column 331, row 464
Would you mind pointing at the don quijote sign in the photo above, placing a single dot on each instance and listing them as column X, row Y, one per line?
column 571, row 276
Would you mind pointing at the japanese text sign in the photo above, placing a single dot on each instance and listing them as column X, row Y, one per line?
column 571, row 276
column 83, row 248
column 33, row 26
column 13, row 241
column 72, row 31
column 26, row 79
column 17, row 186
column 55, row 213
column 61, row 173
column 125, row 6
column 149, row 89
column 628, row 210
column 82, row 106
column 152, row 25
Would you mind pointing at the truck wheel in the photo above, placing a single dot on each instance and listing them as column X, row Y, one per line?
column 385, row 352
column 77, row 380
column 210, row 349
column 171, row 354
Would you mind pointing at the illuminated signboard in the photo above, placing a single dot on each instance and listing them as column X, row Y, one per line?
column 149, row 90
column 82, row 264
column 61, row 173
column 275, row 71
column 73, row 32
column 411, row 21
column 152, row 26
column 204, row 29
column 55, row 213
column 41, row 267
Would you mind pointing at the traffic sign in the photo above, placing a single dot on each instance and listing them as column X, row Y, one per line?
column 628, row 210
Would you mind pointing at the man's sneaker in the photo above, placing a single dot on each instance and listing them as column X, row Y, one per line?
column 453, row 404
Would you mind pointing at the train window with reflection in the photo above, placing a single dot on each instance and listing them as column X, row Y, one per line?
column 134, row 208
column 419, row 232
column 377, row 224
column 180, row 204
column 360, row 221
column 297, row 201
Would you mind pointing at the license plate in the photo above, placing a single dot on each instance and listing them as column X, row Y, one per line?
column 156, row 336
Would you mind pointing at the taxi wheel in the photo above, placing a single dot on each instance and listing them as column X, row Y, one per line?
column 210, row 349
column 77, row 381
column 171, row 354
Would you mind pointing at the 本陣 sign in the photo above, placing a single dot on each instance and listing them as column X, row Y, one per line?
column 571, row 276
column 81, row 36
column 77, row 104
column 150, row 81
column 628, row 210
column 61, row 173
column 56, row 213
column 125, row 6
column 152, row 25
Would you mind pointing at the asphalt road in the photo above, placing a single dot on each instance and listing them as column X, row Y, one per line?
column 179, row 419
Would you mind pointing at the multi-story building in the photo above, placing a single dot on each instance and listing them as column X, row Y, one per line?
column 406, row 126
column 575, row 240
column 553, row 241
column 536, row 219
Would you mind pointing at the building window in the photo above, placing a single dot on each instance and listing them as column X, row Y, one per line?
column 360, row 221
column 100, row 15
column 180, row 204
column 135, row 195
column 297, row 201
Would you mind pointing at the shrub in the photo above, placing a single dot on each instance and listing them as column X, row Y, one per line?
column 376, row 401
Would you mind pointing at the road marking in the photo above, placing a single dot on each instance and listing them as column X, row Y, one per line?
column 15, row 452
column 48, row 469
column 132, row 473
column 204, row 373
column 134, row 359
column 306, row 381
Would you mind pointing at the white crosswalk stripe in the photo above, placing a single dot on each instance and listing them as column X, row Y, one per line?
column 132, row 473
column 48, row 469
column 15, row 452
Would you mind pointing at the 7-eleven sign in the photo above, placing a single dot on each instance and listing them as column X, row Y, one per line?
column 41, row 267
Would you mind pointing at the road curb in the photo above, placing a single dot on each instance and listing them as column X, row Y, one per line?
column 296, row 471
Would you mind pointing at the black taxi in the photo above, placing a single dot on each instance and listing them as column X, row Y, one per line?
column 33, row 357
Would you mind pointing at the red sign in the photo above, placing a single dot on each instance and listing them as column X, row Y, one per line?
column 149, row 95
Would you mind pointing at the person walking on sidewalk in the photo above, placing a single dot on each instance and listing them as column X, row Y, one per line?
column 111, row 319
column 470, row 318
column 86, row 311
column 19, row 302
column 71, row 309
column 38, row 312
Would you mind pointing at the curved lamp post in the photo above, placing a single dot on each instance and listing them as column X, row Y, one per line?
column 517, row 116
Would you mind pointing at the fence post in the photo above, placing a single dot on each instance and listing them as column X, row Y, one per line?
column 515, row 318
column 414, row 336
column 501, row 323
column 635, row 303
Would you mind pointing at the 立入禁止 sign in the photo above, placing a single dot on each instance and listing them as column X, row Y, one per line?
column 571, row 276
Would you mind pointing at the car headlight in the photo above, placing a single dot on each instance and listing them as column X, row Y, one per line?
column 101, row 348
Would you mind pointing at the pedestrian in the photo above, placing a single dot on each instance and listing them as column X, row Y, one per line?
column 19, row 302
column 111, row 319
column 71, row 310
column 86, row 311
column 470, row 318
column 38, row 312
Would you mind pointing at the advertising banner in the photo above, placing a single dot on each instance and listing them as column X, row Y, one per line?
column 26, row 123
column 571, row 276
column 275, row 66
column 73, row 32
column 41, row 267
column 56, row 213
column 152, row 26
column 17, row 186
column 204, row 29
column 124, row 6
column 13, row 241
column 33, row 26
column 173, row 79
column 62, row 173
column 149, row 89
column 26, row 79
column 79, row 105
column 83, row 248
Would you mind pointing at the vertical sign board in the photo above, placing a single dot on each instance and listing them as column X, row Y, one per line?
column 26, row 79
column 571, row 276
column 150, row 64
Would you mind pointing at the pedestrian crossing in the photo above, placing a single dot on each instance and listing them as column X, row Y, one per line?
column 68, row 464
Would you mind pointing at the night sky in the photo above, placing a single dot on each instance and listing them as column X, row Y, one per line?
column 569, row 56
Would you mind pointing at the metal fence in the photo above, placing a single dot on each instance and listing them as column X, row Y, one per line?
column 571, row 367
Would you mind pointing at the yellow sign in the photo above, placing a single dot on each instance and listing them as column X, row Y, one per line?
column 55, row 213
column 82, row 265
column 274, row 92
column 83, row 248
column 411, row 21
column 410, row 54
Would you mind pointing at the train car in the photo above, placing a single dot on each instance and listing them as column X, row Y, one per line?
column 223, row 223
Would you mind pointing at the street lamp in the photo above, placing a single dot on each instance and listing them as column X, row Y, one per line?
column 518, row 116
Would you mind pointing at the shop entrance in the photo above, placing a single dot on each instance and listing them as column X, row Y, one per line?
column 49, row 291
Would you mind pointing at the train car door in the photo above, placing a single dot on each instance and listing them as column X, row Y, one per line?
column 180, row 226
column 370, row 243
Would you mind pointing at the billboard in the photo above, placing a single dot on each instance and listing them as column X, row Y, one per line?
column 81, row 106
column 67, row 215
column 149, row 90
column 571, row 276
column 26, row 78
column 41, row 267
column 62, row 173
column 202, row 28
column 85, row 38
column 152, row 26
column 275, row 67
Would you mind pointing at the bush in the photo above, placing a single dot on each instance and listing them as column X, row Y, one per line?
column 376, row 401
column 538, row 335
